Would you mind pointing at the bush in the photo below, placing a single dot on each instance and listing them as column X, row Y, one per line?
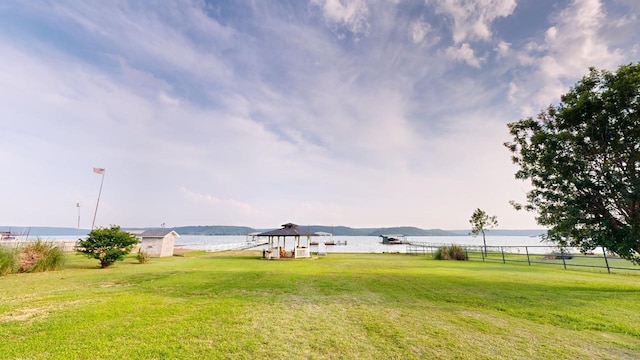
column 34, row 257
column 453, row 252
column 40, row 256
column 143, row 257
column 8, row 261
column 107, row 245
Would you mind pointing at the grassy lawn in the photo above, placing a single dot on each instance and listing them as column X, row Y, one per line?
column 593, row 263
column 351, row 306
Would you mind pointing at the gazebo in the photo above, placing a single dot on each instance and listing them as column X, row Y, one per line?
column 277, row 242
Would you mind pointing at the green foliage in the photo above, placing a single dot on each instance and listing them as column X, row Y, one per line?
column 583, row 160
column 8, row 261
column 107, row 245
column 481, row 221
column 40, row 256
column 452, row 252
column 143, row 257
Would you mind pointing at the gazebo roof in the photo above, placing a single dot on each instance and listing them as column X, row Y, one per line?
column 288, row 229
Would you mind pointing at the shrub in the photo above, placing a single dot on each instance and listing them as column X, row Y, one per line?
column 8, row 261
column 452, row 252
column 143, row 257
column 107, row 245
column 40, row 256
column 457, row 252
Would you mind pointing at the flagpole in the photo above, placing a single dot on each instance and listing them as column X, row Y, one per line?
column 101, row 171
column 78, row 206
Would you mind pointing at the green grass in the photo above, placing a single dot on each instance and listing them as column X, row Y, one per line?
column 593, row 263
column 351, row 306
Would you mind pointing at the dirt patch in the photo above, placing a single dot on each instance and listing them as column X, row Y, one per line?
column 27, row 314
column 178, row 251
column 251, row 253
column 23, row 314
column 28, row 259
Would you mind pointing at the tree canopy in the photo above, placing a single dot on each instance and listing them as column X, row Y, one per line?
column 108, row 245
column 481, row 221
column 583, row 160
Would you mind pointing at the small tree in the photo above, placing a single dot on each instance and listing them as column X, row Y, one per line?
column 480, row 222
column 107, row 245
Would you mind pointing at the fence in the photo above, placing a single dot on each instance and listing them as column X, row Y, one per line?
column 66, row 246
column 545, row 255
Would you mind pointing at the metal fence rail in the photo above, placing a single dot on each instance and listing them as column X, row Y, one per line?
column 545, row 255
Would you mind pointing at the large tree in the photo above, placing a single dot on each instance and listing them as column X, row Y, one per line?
column 107, row 245
column 583, row 160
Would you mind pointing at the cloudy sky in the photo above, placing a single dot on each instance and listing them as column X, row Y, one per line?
column 363, row 113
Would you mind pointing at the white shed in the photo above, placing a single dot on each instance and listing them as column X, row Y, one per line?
column 158, row 242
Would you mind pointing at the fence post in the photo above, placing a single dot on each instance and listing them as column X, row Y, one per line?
column 502, row 250
column 526, row 248
column 606, row 261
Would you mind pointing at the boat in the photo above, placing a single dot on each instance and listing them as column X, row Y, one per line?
column 325, row 237
column 9, row 235
column 394, row 239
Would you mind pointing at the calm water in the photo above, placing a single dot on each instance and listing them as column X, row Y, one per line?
column 369, row 244
column 354, row 244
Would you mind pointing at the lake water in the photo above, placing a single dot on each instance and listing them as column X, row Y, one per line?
column 355, row 244
column 372, row 244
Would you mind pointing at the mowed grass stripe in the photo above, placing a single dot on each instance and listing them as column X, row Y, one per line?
column 352, row 306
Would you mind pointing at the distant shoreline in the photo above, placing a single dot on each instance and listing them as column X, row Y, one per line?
column 224, row 230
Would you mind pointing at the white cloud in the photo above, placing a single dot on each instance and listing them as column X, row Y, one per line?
column 167, row 99
column 418, row 30
column 503, row 48
column 472, row 19
column 464, row 53
column 576, row 41
column 223, row 205
column 353, row 14
column 513, row 91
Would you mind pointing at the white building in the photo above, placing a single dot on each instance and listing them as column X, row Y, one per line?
column 158, row 242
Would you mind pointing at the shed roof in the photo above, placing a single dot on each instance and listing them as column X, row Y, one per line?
column 288, row 229
column 157, row 233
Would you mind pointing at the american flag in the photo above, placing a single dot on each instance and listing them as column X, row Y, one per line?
column 98, row 171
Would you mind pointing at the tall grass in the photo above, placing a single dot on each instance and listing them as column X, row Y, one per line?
column 38, row 256
column 452, row 252
column 44, row 256
column 8, row 261
column 143, row 257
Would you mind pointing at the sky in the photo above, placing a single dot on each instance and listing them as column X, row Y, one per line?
column 361, row 113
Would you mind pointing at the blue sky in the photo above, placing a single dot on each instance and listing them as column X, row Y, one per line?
column 335, row 112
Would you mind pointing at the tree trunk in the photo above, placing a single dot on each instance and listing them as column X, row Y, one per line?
column 485, row 243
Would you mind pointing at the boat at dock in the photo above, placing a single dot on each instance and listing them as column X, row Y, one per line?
column 325, row 238
column 10, row 235
column 394, row 239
